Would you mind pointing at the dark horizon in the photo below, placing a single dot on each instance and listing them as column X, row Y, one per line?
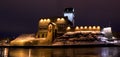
column 23, row 15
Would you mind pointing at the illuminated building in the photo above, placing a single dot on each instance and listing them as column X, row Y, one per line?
column 49, row 28
column 61, row 23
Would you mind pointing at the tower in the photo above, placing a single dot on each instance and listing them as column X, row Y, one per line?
column 69, row 12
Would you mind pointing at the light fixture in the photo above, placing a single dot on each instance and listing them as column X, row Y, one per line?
column 48, row 20
column 90, row 27
column 76, row 28
column 98, row 27
column 41, row 20
column 45, row 20
column 62, row 19
column 58, row 19
column 68, row 28
column 85, row 27
column 94, row 27
column 81, row 27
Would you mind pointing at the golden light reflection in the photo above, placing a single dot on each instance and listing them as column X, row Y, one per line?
column 20, row 53
column 6, row 52
column 29, row 55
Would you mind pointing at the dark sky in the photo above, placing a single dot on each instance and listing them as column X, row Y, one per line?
column 23, row 15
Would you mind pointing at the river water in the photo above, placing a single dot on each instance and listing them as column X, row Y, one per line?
column 61, row 52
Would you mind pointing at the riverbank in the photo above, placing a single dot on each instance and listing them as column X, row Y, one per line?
column 65, row 46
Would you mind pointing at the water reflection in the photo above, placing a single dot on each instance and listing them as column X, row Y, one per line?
column 60, row 52
column 4, row 52
column 110, row 52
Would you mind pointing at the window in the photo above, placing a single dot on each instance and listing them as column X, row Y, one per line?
column 42, row 35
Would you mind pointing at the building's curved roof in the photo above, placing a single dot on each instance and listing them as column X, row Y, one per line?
column 69, row 10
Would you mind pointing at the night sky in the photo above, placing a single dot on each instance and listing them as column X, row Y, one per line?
column 23, row 15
